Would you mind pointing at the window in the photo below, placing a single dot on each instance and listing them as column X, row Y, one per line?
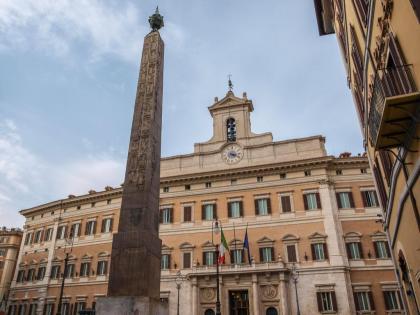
column 3, row 252
column 382, row 250
column 307, row 173
column 75, row 230
column 236, row 256
column 41, row 273
column 37, row 237
column 260, row 179
column 363, row 301
column 209, row 312
column 65, row 308
column 166, row 215
column 363, row 171
column 286, row 205
column 48, row 235
column 93, row 204
column 1, row 264
column 69, row 272
column 369, row 198
column 102, row 268
column 338, row 172
column 165, row 262
column 362, row 9
column 344, row 200
column 166, row 189
column 49, row 309
column 21, row 276
column 233, row 181
column 107, row 225
column 208, row 185
column 208, row 212
column 262, row 206
column 79, row 306
column 235, row 209
column 187, row 214
column 266, row 254
column 108, row 202
column 28, row 238
column 187, row 187
column 22, row 309
column 84, row 269
column 354, row 250
column 209, row 258
column 231, row 130
column 311, row 201
column 282, row 175
column 55, row 272
column 61, row 232
column 12, row 310
column 186, row 260
column 392, row 300
column 291, row 253
column 90, row 228
column 319, row 251
column 31, row 274
column 271, row 311
column 326, row 301
column 32, row 309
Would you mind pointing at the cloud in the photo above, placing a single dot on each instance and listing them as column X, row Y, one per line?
column 27, row 180
column 60, row 26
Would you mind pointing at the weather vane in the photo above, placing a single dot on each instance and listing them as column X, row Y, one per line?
column 230, row 84
column 156, row 21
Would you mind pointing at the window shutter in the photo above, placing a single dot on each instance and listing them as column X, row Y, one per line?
column 387, row 304
column 169, row 261
column 325, row 250
column 257, row 209
column 214, row 258
column 356, row 301
column 291, row 253
column 204, row 259
column 187, row 214
column 97, row 267
column 160, row 216
column 269, row 205
column 305, row 201
column 364, row 198
column 111, row 225
column 348, row 251
column 334, row 301
column 285, row 204
column 94, row 227
column 359, row 244
column 318, row 201
column 203, row 212
column 351, row 199
column 371, row 301
column 380, row 184
column 241, row 208
column 171, row 219
column 242, row 255
column 41, row 236
column 375, row 246
column 215, row 211
column 103, row 226
column 272, row 254
column 337, row 196
column 261, row 255
column 105, row 267
column 313, row 252
column 229, row 209
column 232, row 257
column 386, row 164
column 319, row 300
column 388, row 251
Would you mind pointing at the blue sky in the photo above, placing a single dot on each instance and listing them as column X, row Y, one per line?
column 69, row 70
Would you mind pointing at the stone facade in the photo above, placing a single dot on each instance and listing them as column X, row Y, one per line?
column 380, row 48
column 301, row 207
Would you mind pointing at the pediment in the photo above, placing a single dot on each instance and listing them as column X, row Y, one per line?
column 290, row 237
column 186, row 245
column 235, row 242
column 265, row 239
column 231, row 100
column 317, row 235
column 207, row 244
column 353, row 234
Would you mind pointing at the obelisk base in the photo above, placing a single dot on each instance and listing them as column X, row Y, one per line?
column 130, row 305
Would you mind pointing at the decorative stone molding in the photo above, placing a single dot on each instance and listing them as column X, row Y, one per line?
column 269, row 292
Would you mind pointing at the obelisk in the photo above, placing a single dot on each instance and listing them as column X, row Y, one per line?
column 134, row 279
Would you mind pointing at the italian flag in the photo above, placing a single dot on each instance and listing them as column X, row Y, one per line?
column 223, row 248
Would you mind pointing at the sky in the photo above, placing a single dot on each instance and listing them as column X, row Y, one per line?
column 69, row 69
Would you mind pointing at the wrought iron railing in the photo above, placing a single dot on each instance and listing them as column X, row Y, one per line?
column 388, row 82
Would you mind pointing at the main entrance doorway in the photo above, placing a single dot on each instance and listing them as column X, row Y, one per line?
column 239, row 302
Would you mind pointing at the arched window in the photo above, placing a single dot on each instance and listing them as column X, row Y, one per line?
column 271, row 311
column 209, row 312
column 231, row 129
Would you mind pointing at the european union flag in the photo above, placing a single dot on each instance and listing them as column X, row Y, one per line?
column 246, row 245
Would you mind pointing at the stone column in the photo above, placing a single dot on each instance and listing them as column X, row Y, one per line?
column 194, row 294
column 284, row 296
column 255, row 294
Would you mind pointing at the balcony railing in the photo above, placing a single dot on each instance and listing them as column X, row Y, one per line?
column 392, row 107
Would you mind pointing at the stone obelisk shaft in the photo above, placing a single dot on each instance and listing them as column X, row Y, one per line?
column 136, row 248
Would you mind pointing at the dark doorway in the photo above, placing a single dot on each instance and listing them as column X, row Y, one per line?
column 239, row 302
column 209, row 312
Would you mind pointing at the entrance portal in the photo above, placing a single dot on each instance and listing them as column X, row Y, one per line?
column 239, row 302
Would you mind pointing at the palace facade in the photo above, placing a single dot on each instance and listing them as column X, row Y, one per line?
column 379, row 43
column 313, row 224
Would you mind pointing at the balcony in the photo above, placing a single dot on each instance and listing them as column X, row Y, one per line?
column 393, row 107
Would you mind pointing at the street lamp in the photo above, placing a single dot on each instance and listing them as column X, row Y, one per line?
column 295, row 276
column 215, row 229
column 178, row 281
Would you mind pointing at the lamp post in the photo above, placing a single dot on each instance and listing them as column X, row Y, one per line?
column 178, row 281
column 215, row 229
column 295, row 276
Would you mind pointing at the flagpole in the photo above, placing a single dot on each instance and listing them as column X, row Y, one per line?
column 235, row 255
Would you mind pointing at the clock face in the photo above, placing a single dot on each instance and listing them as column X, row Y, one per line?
column 232, row 154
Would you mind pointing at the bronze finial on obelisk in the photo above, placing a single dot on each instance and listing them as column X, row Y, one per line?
column 134, row 277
